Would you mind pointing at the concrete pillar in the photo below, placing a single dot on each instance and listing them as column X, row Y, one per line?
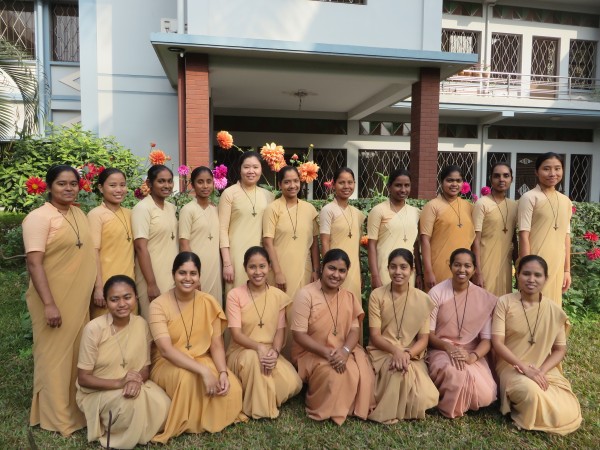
column 424, row 133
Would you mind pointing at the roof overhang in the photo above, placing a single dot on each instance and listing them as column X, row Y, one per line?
column 266, row 74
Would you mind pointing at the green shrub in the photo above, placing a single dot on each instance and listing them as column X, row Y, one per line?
column 33, row 156
column 11, row 240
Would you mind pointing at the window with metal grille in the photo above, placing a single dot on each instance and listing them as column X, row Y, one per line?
column 453, row 130
column 544, row 66
column 384, row 128
column 463, row 9
column 525, row 178
column 65, row 32
column 546, row 16
column 540, row 133
column 467, row 161
column 372, row 162
column 328, row 160
column 17, row 25
column 580, row 178
column 347, row 2
column 582, row 63
column 280, row 125
column 460, row 41
column 506, row 53
column 493, row 158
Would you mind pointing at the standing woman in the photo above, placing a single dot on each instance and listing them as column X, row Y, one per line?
column 256, row 319
column 188, row 361
column 393, row 224
column 60, row 261
column 529, row 335
column 114, row 367
column 445, row 225
column 545, row 225
column 241, row 209
column 459, row 338
column 495, row 220
column 341, row 226
column 110, row 225
column 290, row 236
column 199, row 232
column 399, row 333
column 155, row 232
column 326, row 325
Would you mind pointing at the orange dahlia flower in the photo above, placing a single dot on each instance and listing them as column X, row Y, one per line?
column 364, row 240
column 274, row 156
column 225, row 140
column 157, row 157
column 144, row 189
column 35, row 185
column 308, row 171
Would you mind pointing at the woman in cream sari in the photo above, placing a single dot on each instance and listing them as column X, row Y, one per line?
column 325, row 325
column 188, row 361
column 393, row 224
column 399, row 333
column 114, row 367
column 256, row 316
column 529, row 335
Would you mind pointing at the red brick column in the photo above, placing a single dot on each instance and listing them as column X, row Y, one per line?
column 424, row 133
column 197, row 110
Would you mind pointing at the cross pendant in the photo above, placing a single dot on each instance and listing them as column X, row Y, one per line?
column 253, row 213
column 294, row 237
column 531, row 341
column 555, row 227
column 398, row 337
column 188, row 346
column 128, row 239
column 460, row 225
column 350, row 234
column 172, row 236
column 79, row 244
column 504, row 230
column 210, row 237
column 261, row 324
column 459, row 337
column 334, row 332
column 123, row 364
column 405, row 239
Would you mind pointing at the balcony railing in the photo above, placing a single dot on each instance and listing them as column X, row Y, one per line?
column 515, row 85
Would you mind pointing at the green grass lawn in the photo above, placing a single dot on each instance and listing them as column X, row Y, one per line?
column 482, row 429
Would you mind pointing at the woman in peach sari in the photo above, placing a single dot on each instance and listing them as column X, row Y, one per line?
column 529, row 335
column 445, row 225
column 325, row 325
column 459, row 340
column 399, row 333
column 188, row 361
column 256, row 315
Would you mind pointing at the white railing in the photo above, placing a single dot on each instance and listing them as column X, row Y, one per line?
column 500, row 84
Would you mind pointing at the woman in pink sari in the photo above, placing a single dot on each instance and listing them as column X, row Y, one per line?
column 459, row 339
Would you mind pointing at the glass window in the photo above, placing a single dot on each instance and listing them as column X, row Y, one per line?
column 17, row 25
column 65, row 32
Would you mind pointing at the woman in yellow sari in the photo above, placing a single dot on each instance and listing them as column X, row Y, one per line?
column 341, row 227
column 445, row 225
column 325, row 325
column 241, row 209
column 459, row 340
column 393, row 224
column 113, row 389
column 199, row 232
column 60, row 261
column 399, row 333
column 188, row 361
column 544, row 218
column 110, row 225
column 155, row 232
column 256, row 317
column 529, row 335
column 495, row 245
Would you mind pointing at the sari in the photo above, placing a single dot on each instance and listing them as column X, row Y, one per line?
column 474, row 387
column 192, row 409
column 332, row 395
column 555, row 410
column 263, row 394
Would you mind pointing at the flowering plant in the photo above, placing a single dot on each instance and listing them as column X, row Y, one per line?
column 35, row 185
column 486, row 190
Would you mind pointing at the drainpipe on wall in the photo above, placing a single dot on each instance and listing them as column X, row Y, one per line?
column 181, row 112
column 483, row 160
column 181, row 17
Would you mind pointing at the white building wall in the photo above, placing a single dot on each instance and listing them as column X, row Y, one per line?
column 124, row 90
column 406, row 24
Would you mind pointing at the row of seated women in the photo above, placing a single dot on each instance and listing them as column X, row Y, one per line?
column 60, row 245
column 395, row 378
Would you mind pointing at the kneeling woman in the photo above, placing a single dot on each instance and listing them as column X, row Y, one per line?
column 325, row 325
column 529, row 335
column 256, row 318
column 460, row 333
column 399, row 333
column 187, row 326
column 113, row 370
